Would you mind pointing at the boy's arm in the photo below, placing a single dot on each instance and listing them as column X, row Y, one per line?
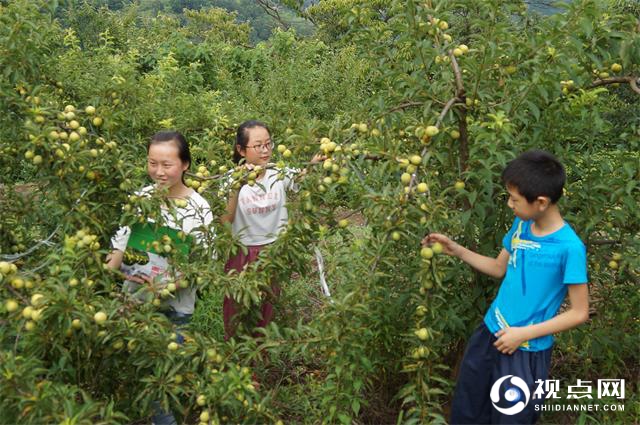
column 509, row 339
column 494, row 267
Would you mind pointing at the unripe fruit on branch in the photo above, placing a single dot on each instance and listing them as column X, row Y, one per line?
column 5, row 267
column 36, row 315
column 431, row 130
column 100, row 317
column 201, row 400
column 426, row 253
column 422, row 334
column 27, row 311
column 37, row 299
column 17, row 283
column 11, row 305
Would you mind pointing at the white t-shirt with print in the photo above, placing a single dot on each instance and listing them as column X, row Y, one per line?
column 261, row 213
column 196, row 214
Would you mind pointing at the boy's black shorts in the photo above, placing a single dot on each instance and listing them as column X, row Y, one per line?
column 483, row 365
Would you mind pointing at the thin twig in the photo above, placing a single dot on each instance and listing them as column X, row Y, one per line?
column 604, row 242
column 403, row 106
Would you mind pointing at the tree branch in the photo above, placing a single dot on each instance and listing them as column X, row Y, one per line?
column 272, row 10
column 464, row 138
column 631, row 80
column 458, row 74
column 446, row 108
column 462, row 114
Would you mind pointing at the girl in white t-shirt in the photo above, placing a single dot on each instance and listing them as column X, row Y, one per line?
column 168, row 157
column 258, row 213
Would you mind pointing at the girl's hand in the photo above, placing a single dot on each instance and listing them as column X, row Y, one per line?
column 449, row 247
column 509, row 339
column 142, row 279
column 317, row 158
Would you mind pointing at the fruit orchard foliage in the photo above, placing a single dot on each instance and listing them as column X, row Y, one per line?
column 423, row 103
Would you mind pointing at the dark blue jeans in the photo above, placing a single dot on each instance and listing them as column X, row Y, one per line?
column 482, row 366
column 180, row 320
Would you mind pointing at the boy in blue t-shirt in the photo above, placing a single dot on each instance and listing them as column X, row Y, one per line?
column 541, row 261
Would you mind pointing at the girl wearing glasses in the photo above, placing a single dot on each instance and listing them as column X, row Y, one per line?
column 258, row 213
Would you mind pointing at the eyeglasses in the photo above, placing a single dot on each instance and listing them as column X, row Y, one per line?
column 263, row 147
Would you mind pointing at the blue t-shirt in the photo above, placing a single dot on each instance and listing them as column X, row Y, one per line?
column 534, row 286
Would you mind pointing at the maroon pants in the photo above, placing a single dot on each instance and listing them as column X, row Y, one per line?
column 230, row 308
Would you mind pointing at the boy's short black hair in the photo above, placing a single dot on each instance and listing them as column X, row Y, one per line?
column 536, row 173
